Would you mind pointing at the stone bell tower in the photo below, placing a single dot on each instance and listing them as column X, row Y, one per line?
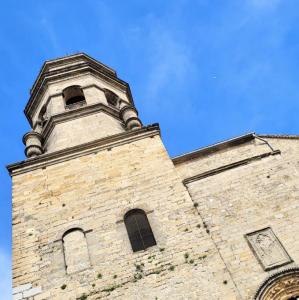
column 76, row 100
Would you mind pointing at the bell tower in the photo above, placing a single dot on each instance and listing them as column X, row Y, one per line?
column 99, row 209
column 76, row 100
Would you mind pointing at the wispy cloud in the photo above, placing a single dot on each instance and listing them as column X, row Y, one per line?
column 167, row 61
column 170, row 61
column 52, row 36
column 264, row 4
column 5, row 275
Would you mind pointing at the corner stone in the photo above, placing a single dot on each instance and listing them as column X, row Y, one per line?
column 21, row 288
column 32, row 292
column 17, row 296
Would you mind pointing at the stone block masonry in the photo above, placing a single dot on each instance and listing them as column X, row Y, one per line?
column 224, row 217
column 93, row 192
column 25, row 291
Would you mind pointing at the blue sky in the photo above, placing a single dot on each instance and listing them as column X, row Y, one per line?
column 206, row 70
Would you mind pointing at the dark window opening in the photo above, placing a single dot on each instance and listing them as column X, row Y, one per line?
column 139, row 230
column 73, row 96
column 294, row 298
column 42, row 117
column 111, row 97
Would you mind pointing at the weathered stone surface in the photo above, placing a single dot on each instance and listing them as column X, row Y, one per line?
column 32, row 292
column 245, row 199
column 21, row 288
column 200, row 226
column 18, row 296
column 268, row 248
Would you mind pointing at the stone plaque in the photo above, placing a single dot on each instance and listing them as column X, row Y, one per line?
column 268, row 249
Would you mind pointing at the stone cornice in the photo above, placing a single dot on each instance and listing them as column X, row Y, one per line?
column 214, row 148
column 77, row 113
column 52, row 158
column 81, row 68
column 229, row 167
column 280, row 136
column 67, row 59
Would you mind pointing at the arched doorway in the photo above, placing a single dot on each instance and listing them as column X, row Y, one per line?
column 283, row 285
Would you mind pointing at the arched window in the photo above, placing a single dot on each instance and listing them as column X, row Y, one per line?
column 139, row 230
column 75, row 250
column 73, row 96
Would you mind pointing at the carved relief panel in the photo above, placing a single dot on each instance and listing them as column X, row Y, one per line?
column 268, row 249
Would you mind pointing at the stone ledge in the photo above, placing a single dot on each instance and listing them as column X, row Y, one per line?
column 280, row 136
column 214, row 148
column 52, row 158
column 229, row 167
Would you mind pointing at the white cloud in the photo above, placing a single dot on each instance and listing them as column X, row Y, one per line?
column 52, row 36
column 264, row 4
column 167, row 59
column 5, row 275
column 170, row 61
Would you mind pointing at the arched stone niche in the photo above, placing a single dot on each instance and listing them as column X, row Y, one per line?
column 75, row 250
column 283, row 285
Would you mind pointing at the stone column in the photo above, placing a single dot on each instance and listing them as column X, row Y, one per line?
column 129, row 115
column 33, row 143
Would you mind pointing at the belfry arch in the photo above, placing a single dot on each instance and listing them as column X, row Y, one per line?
column 283, row 285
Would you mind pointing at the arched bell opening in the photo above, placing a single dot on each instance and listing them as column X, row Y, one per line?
column 73, row 96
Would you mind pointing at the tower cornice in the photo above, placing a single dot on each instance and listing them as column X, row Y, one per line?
column 56, row 157
column 65, row 67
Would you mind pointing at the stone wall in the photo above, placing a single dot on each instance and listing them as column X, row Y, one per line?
column 93, row 192
column 251, row 197
column 202, row 251
column 81, row 130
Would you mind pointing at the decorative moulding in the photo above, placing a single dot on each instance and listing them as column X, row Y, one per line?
column 88, row 65
column 283, row 284
column 229, row 167
column 48, row 159
column 214, row 148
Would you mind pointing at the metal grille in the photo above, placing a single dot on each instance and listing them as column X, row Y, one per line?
column 139, row 230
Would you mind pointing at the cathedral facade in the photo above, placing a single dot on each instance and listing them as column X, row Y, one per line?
column 100, row 210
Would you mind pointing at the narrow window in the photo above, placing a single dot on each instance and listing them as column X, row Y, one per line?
column 75, row 250
column 42, row 116
column 73, row 96
column 139, row 230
